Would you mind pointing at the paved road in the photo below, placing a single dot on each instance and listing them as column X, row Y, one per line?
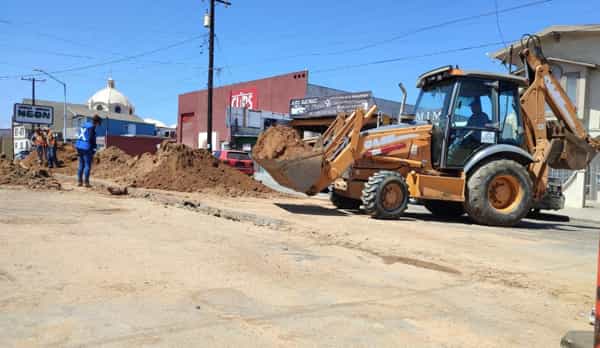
column 83, row 269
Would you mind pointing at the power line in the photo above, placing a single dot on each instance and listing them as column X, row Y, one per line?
column 498, row 24
column 438, row 25
column 113, row 54
column 403, row 58
column 115, row 61
column 406, row 34
column 222, row 52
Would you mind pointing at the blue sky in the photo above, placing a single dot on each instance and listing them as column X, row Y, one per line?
column 255, row 39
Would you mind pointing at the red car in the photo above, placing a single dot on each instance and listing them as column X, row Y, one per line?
column 240, row 160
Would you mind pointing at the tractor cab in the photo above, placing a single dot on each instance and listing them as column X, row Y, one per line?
column 469, row 111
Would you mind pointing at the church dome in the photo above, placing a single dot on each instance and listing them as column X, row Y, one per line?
column 110, row 96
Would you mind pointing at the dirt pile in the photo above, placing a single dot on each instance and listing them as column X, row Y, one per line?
column 109, row 163
column 112, row 163
column 37, row 179
column 280, row 142
column 174, row 167
column 180, row 168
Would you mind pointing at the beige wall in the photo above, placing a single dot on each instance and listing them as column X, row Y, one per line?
column 582, row 47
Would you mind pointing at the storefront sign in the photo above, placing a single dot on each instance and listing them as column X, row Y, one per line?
column 331, row 105
column 34, row 114
column 245, row 98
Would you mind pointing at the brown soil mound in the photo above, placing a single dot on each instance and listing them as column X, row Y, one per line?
column 14, row 174
column 280, row 142
column 179, row 168
column 174, row 167
column 109, row 163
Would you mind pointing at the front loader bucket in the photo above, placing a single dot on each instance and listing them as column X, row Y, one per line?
column 299, row 174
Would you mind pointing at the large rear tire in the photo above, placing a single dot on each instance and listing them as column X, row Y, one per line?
column 342, row 202
column 385, row 195
column 445, row 209
column 499, row 193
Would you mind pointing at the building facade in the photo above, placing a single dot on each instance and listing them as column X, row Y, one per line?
column 117, row 112
column 270, row 94
column 574, row 55
column 268, row 99
column 22, row 139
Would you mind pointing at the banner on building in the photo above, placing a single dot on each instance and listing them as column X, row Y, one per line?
column 33, row 114
column 246, row 98
column 330, row 105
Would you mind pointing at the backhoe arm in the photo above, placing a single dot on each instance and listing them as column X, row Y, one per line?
column 341, row 146
column 564, row 144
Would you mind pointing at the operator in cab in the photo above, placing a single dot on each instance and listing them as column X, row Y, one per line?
column 478, row 119
column 86, row 148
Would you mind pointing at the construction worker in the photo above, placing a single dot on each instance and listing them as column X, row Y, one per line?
column 40, row 145
column 51, row 149
column 86, row 148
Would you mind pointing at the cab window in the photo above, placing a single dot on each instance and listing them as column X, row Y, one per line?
column 510, row 121
column 473, row 121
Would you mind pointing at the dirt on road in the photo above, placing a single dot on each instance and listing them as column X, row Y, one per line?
column 13, row 174
column 79, row 269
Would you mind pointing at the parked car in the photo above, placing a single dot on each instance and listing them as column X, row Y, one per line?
column 240, row 160
column 22, row 155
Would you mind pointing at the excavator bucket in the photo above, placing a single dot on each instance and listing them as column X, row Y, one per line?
column 571, row 152
column 299, row 174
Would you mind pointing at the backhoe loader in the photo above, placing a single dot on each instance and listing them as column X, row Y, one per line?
column 475, row 144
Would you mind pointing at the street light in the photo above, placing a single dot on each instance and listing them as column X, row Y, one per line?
column 65, row 100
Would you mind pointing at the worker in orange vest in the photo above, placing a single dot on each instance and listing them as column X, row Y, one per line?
column 40, row 145
column 51, row 150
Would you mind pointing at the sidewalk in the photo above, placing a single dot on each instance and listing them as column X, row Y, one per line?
column 591, row 212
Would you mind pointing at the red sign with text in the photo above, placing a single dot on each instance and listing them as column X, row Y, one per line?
column 245, row 98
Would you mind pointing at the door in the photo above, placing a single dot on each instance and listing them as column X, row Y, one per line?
column 473, row 121
column 187, row 130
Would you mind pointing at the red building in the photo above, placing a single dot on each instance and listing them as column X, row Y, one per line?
column 272, row 94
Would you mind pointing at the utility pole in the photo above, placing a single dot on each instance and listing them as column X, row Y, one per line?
column 211, row 63
column 33, row 81
column 64, row 101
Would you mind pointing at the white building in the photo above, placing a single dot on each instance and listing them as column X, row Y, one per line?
column 22, row 139
column 574, row 54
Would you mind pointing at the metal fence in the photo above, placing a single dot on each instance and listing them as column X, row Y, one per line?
column 592, row 178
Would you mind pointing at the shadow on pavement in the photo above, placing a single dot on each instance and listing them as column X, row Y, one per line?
column 311, row 210
column 551, row 221
column 548, row 217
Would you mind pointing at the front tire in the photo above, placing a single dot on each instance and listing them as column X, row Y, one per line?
column 385, row 195
column 499, row 193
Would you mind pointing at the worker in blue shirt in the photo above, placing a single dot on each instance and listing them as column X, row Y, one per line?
column 86, row 148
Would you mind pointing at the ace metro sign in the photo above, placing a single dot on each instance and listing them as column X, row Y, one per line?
column 246, row 98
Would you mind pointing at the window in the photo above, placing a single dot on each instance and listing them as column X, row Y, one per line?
column 472, row 124
column 99, row 107
column 118, row 109
column 242, row 156
column 571, row 87
column 474, row 106
column 433, row 102
column 511, row 124
column 131, row 129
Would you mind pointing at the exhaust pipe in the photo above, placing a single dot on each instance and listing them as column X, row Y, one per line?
column 403, row 105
